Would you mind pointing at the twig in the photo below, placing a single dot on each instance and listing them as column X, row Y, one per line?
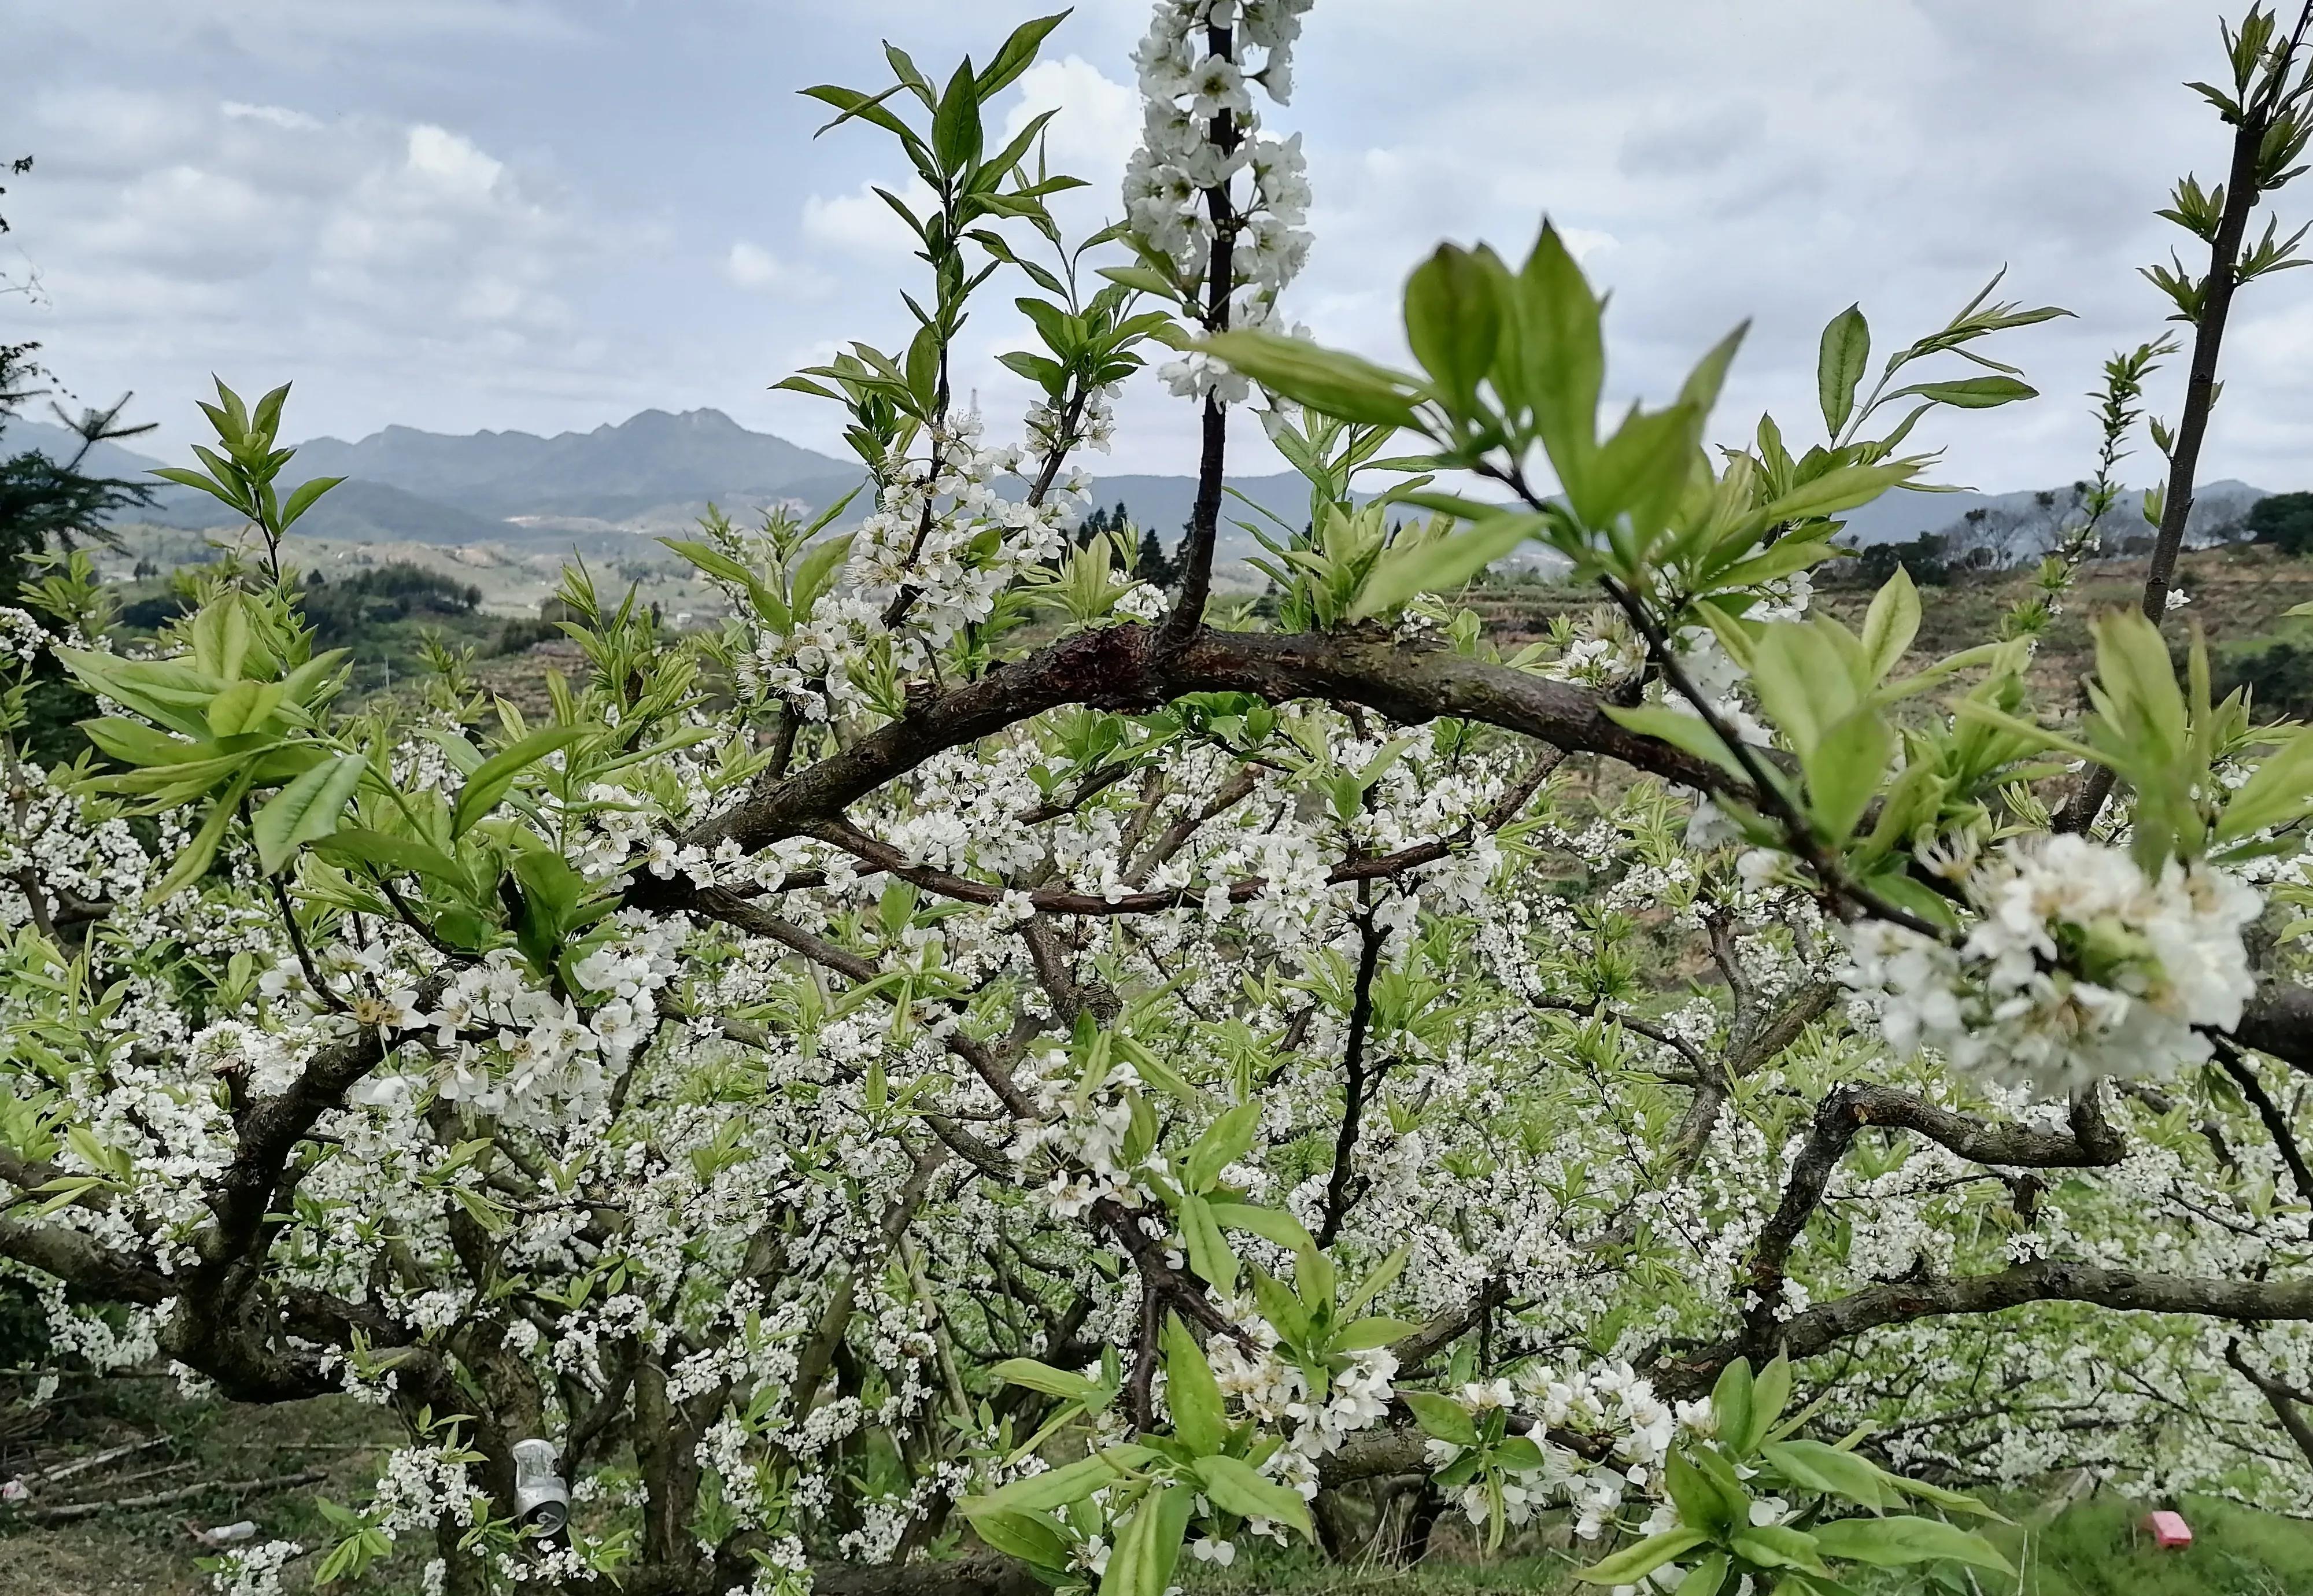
column 232, row 1488
column 95, row 1460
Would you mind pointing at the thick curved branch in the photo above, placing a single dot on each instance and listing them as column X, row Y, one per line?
column 1841, row 1118
column 79, row 1259
column 2282, row 1398
column 1115, row 667
column 2047, row 1280
column 2279, row 1020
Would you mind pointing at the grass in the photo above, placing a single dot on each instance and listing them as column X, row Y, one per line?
column 2092, row 1549
column 151, row 1552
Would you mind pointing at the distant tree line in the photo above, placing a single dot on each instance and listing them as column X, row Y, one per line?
column 1150, row 563
column 2285, row 521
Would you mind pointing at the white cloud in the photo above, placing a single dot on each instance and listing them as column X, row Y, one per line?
column 445, row 227
column 451, row 166
column 1097, row 126
column 485, row 200
column 862, row 223
column 203, row 224
column 276, row 116
column 753, row 267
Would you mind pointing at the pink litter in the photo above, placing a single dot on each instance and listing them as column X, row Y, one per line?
column 2170, row 1531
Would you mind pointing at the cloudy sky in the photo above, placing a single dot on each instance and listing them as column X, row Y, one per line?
column 549, row 214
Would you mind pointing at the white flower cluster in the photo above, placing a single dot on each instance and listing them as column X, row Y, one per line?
column 2078, row 965
column 1267, row 1389
column 509, row 1045
column 1096, row 426
column 915, row 540
column 253, row 1571
column 1194, row 83
column 1608, row 1399
column 1087, row 1133
column 418, row 1487
column 22, row 638
column 927, row 536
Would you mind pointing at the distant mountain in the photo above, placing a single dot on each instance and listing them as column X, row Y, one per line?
column 2024, row 526
column 610, row 473
column 653, row 473
column 18, row 435
column 656, row 472
column 354, row 511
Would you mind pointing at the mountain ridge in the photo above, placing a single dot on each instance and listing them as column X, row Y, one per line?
column 656, row 472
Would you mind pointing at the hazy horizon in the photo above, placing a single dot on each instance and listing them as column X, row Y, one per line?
column 469, row 214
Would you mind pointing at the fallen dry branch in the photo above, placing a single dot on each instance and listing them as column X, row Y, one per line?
column 70, row 1511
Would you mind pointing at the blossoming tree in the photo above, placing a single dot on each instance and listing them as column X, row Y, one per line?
column 977, row 1075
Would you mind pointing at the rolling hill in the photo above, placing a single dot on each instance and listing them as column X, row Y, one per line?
column 654, row 473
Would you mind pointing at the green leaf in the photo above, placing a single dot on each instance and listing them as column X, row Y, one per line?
column 1559, row 343
column 1802, row 681
column 1843, row 488
column 1453, row 320
column 304, row 497
column 1269, row 1223
column 1971, row 393
column 242, row 706
column 1948, row 1500
column 132, row 742
column 1149, row 1544
column 1706, row 1578
column 193, row 479
column 1383, row 1275
column 1209, row 1253
column 1367, row 1334
column 1840, row 365
column 1044, row 1377
column 2133, row 666
column 1700, row 391
column 1679, row 729
column 1843, row 771
column 1891, row 624
column 1057, row 1487
column 1634, row 1563
column 1325, row 380
column 955, row 125
column 1032, row 1538
column 495, row 776
column 1700, row 1504
column 220, row 638
column 1640, row 472
column 1785, row 556
column 2277, row 793
column 1281, row 1308
column 195, row 860
column 1441, row 1417
column 1199, row 1420
column 814, row 573
column 1145, row 280
column 1895, row 1542
column 1226, row 1140
column 1815, row 1467
column 1730, row 1400
column 1777, row 1546
column 355, row 844
column 1434, row 564
column 1016, row 55
column 1235, row 1485
column 304, row 810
